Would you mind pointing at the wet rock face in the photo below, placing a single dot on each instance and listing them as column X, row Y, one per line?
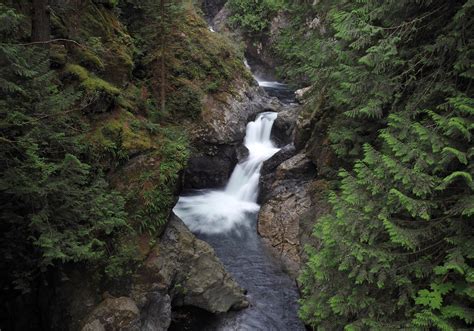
column 283, row 130
column 286, row 198
column 217, row 137
column 191, row 271
column 156, row 315
column 211, row 167
column 114, row 314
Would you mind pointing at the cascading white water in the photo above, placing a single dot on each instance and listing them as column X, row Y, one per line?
column 219, row 211
column 265, row 83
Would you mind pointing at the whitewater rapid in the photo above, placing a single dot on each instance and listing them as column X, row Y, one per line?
column 220, row 211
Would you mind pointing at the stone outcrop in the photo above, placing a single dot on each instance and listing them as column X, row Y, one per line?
column 257, row 49
column 287, row 197
column 114, row 314
column 284, row 126
column 300, row 94
column 179, row 270
column 216, row 137
column 190, row 270
column 211, row 7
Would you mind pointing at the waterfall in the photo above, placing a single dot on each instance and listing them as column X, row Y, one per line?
column 218, row 211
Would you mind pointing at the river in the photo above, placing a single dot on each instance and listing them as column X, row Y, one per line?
column 227, row 220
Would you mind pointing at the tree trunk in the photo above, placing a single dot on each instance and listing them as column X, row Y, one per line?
column 163, row 48
column 40, row 29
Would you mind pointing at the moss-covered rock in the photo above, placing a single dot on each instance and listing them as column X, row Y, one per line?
column 104, row 44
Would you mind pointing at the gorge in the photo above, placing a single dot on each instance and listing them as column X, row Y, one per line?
column 227, row 219
column 236, row 165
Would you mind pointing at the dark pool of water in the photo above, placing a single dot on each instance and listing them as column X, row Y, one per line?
column 280, row 91
column 272, row 294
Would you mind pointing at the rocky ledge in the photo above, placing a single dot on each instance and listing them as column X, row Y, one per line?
column 287, row 197
column 180, row 270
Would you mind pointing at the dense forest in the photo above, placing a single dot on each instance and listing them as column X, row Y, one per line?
column 392, row 81
column 110, row 109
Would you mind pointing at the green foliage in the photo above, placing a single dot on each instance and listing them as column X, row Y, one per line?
column 253, row 16
column 187, row 100
column 55, row 208
column 396, row 250
column 157, row 188
column 197, row 61
column 93, row 86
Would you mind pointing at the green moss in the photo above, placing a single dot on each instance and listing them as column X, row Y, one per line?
column 99, row 85
column 90, row 82
column 106, row 46
column 118, row 135
column 187, row 99
column 89, row 58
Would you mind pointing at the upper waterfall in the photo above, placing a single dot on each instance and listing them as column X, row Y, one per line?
column 219, row 211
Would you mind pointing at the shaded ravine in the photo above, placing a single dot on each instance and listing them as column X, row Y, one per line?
column 227, row 220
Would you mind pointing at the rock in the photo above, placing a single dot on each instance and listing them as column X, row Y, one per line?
column 211, row 167
column 281, row 156
column 298, row 167
column 311, row 134
column 278, row 223
column 260, row 49
column 114, row 314
column 242, row 153
column 284, row 125
column 267, row 174
column 286, row 199
column 211, row 7
column 300, row 94
column 191, row 271
column 216, row 137
column 319, row 207
column 156, row 315
column 225, row 117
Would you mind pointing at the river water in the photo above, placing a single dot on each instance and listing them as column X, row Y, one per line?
column 227, row 220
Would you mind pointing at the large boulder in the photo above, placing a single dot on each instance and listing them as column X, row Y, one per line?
column 191, row 271
column 210, row 166
column 283, row 130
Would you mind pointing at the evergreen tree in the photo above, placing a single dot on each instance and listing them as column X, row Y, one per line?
column 397, row 249
column 54, row 207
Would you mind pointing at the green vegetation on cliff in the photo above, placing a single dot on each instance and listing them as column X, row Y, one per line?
column 254, row 16
column 395, row 77
column 55, row 206
column 90, row 163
